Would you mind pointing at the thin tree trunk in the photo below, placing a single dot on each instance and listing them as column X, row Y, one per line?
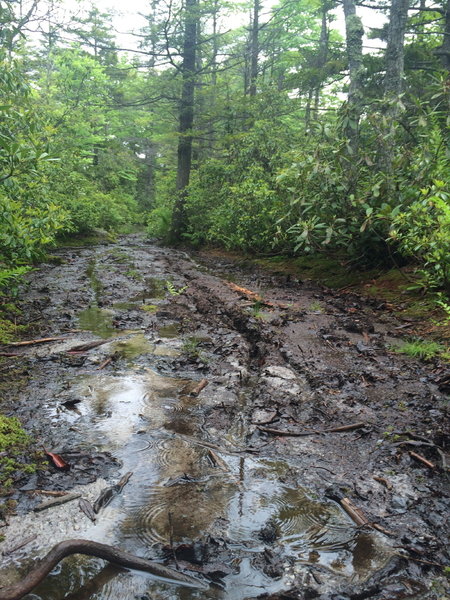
column 254, row 48
column 354, row 35
column 186, row 118
column 393, row 79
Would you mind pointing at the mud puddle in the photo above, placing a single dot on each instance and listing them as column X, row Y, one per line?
column 194, row 388
column 178, row 496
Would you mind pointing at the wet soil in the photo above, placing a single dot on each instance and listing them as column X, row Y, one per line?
column 238, row 481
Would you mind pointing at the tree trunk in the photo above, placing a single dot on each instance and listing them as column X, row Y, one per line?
column 354, row 35
column 186, row 118
column 393, row 81
column 254, row 48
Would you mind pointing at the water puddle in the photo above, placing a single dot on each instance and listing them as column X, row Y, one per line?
column 169, row 331
column 97, row 320
column 179, row 494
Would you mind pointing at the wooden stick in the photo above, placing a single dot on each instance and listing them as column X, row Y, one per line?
column 56, row 502
column 54, row 493
column 344, row 428
column 217, row 461
column 90, row 548
column 87, row 346
column 198, row 388
column 40, row 341
column 354, row 512
column 422, row 459
column 104, row 364
column 19, row 545
column 9, row 354
column 341, row 429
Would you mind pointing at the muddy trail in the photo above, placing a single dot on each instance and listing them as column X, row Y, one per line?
column 278, row 447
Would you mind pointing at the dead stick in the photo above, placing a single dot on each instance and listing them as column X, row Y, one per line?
column 350, row 427
column 90, row 548
column 355, row 513
column 20, row 545
column 198, row 388
column 342, row 428
column 55, row 493
column 104, row 363
column 217, row 461
column 9, row 354
column 40, row 341
column 56, row 502
column 422, row 459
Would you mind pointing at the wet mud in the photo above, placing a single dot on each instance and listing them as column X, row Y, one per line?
column 253, row 410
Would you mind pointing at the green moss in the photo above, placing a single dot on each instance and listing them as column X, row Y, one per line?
column 328, row 271
column 151, row 308
column 14, row 445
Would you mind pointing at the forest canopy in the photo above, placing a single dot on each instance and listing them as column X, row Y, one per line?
column 267, row 127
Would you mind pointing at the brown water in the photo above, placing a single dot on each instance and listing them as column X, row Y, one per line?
column 147, row 422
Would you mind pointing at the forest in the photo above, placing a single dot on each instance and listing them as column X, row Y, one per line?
column 299, row 131
column 224, row 299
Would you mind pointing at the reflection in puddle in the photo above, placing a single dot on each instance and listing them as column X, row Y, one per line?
column 98, row 321
column 176, row 494
column 169, row 331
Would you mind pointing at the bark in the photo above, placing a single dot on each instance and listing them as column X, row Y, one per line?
column 186, row 118
column 354, row 37
column 254, row 48
column 393, row 81
column 109, row 553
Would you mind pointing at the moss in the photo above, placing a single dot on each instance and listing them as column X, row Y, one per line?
column 14, row 450
column 328, row 271
column 151, row 308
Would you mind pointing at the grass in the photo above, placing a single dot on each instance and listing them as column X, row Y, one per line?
column 423, row 349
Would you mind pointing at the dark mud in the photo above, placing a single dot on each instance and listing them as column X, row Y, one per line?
column 215, row 489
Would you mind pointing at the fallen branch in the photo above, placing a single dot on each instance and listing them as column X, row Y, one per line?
column 355, row 513
column 86, row 347
column 105, row 363
column 9, row 354
column 217, row 461
column 198, row 388
column 19, row 545
column 109, row 493
column 341, row 429
column 90, row 548
column 39, row 341
column 422, row 459
column 56, row 502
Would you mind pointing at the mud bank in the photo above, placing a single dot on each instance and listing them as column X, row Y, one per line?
column 252, row 410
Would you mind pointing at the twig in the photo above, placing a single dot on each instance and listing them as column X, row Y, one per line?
column 40, row 341
column 340, row 429
column 20, row 545
column 104, row 364
column 198, row 388
column 422, row 459
column 56, row 502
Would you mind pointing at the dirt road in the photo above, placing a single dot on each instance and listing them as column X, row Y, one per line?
column 252, row 409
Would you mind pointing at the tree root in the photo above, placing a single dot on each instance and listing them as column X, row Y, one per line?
column 109, row 553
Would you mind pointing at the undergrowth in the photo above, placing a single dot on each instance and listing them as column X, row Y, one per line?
column 423, row 349
column 14, row 446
